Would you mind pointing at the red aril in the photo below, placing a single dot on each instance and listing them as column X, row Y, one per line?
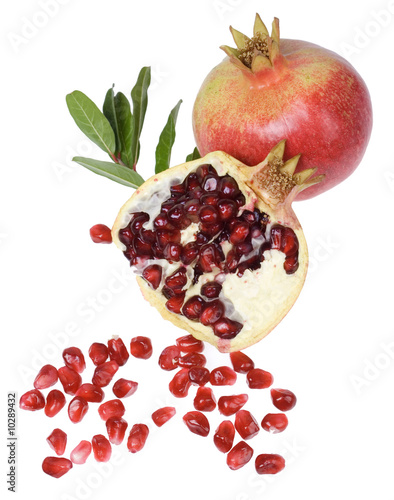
column 116, row 429
column 188, row 343
column 54, row 403
column 102, row 449
column 46, row 377
column 77, row 409
column 70, row 380
column 192, row 359
column 241, row 362
column 123, row 388
column 73, row 358
column 204, row 399
column 197, row 423
column 137, row 437
column 117, row 351
column 245, row 424
column 57, row 440
column 259, row 379
column 283, row 399
column 32, row 400
column 239, row 455
column 98, row 353
column 228, row 405
column 163, row 415
column 274, row 422
column 104, row 373
column 56, row 466
column 223, row 375
column 168, row 359
column 90, row 393
column 199, row 375
column 193, row 308
column 153, row 274
column 81, row 452
column 269, row 463
column 112, row 408
column 141, row 347
column 180, row 383
column 224, row 436
column 100, row 233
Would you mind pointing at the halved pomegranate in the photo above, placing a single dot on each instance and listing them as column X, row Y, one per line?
column 229, row 254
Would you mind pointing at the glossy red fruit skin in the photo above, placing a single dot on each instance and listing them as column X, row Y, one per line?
column 74, row 358
column 180, row 383
column 197, row 423
column 46, row 377
column 241, row 362
column 199, row 375
column 56, row 466
column 54, row 403
column 141, row 347
column 269, row 463
column 112, row 408
column 70, row 380
column 239, row 455
column 274, row 422
column 229, row 405
column 32, row 400
column 259, row 379
column 100, row 233
column 123, row 388
column 98, row 353
column 283, row 399
column 90, row 393
column 116, row 429
column 103, row 374
column 188, row 343
column 81, row 452
column 137, row 437
column 77, row 409
column 204, row 399
column 102, row 449
column 224, row 436
column 163, row 415
column 168, row 359
column 57, row 440
column 246, row 425
column 223, row 375
column 117, row 351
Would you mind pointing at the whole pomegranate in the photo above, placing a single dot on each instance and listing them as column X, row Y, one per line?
column 216, row 245
column 268, row 89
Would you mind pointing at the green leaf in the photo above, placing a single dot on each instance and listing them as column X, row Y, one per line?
column 91, row 121
column 125, row 128
column 113, row 171
column 193, row 156
column 166, row 141
column 110, row 113
column 139, row 95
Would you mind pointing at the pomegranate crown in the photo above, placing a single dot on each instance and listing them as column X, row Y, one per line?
column 257, row 53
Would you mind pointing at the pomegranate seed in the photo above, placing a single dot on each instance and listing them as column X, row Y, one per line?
column 116, row 429
column 57, row 440
column 124, row 388
column 180, row 384
column 77, row 409
column 141, row 347
column 101, row 233
column 137, row 437
column 125, row 236
column 177, row 280
column 283, row 399
column 199, row 375
column 152, row 274
column 112, row 408
column 32, row 400
column 269, row 464
column 241, row 362
column 102, row 449
column 274, row 422
column 228, row 405
column 228, row 186
column 197, row 423
column 98, row 353
column 74, row 359
column 164, row 237
column 209, row 257
column 224, row 436
column 259, row 379
column 246, row 425
column 70, row 379
column 210, row 199
column 168, row 359
column 193, row 307
column 211, row 290
column 223, row 375
column 226, row 328
column 177, row 190
column 188, row 343
column 174, row 304
column 162, row 222
column 90, row 393
column 240, row 200
column 203, row 171
column 176, row 215
column 81, row 452
column 204, row 400
column 191, row 209
column 117, row 351
column 104, row 373
column 46, row 377
column 148, row 236
column 192, row 359
column 56, row 466
column 232, row 260
column 208, row 214
column 239, row 456
column 212, row 312
column 291, row 264
column 191, row 181
column 239, row 232
column 163, row 415
column 172, row 252
column 227, row 209
column 54, row 403
column 138, row 222
column 141, row 247
column 189, row 253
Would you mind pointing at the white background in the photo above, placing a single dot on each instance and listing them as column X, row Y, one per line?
column 330, row 349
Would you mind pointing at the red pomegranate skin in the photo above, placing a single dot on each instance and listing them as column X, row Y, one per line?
column 311, row 96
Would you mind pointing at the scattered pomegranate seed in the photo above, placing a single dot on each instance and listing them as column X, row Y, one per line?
column 204, row 399
column 57, row 440
column 223, row 375
column 117, row 351
column 241, row 362
column 32, row 400
column 91, row 393
column 70, row 380
column 77, row 409
column 246, row 425
column 163, row 415
column 259, row 379
column 81, row 452
column 168, row 359
column 188, row 343
column 98, row 353
column 124, row 388
column 228, row 405
column 100, row 233
column 274, row 422
column 269, row 464
column 102, row 449
column 74, row 359
column 46, row 377
column 239, row 456
column 197, row 423
column 56, row 466
column 224, row 436
column 153, row 274
column 283, row 399
column 180, row 384
column 116, row 429
column 104, row 373
column 112, row 408
column 137, row 437
column 54, row 403
column 192, row 359
column 141, row 347
column 199, row 375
